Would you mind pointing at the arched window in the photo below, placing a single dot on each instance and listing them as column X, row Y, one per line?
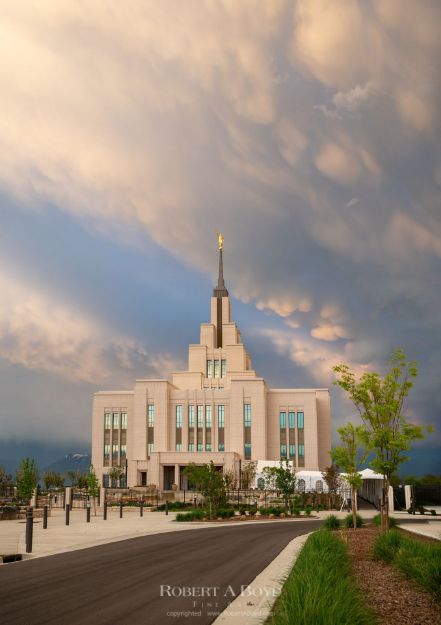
column 319, row 486
column 301, row 485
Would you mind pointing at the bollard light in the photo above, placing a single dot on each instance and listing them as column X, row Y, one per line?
column 45, row 508
column 67, row 514
column 105, row 511
column 29, row 529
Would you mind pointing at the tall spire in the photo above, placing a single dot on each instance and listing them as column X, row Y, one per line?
column 220, row 290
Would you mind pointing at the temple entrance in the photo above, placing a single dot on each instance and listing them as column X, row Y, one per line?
column 169, row 477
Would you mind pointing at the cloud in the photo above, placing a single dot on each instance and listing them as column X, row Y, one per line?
column 41, row 334
column 352, row 99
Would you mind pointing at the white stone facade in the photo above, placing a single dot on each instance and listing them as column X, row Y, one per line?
column 219, row 409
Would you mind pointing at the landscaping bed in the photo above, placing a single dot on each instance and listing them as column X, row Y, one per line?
column 393, row 597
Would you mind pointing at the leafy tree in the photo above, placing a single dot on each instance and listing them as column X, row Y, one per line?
column 380, row 403
column 331, row 477
column 247, row 474
column 52, row 479
column 93, row 486
column 116, row 473
column 26, row 478
column 82, row 480
column 5, row 480
column 346, row 455
column 230, row 479
column 73, row 477
column 209, row 482
column 282, row 479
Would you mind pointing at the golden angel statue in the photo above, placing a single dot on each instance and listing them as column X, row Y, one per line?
column 220, row 239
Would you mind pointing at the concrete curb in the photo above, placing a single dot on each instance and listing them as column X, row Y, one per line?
column 253, row 605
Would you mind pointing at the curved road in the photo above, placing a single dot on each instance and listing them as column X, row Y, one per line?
column 121, row 583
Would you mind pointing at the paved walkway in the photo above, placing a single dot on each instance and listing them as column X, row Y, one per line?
column 59, row 538
column 424, row 525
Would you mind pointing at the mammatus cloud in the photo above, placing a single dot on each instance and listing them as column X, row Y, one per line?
column 310, row 137
column 39, row 333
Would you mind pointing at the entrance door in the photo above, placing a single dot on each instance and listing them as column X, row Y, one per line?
column 169, row 477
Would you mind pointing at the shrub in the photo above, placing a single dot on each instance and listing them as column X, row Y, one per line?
column 332, row 522
column 415, row 559
column 194, row 515
column 376, row 520
column 276, row 510
column 308, row 510
column 225, row 513
column 175, row 505
column 320, row 589
column 349, row 521
column 433, row 512
column 387, row 545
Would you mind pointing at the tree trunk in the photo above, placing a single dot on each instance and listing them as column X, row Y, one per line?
column 386, row 504
column 354, row 508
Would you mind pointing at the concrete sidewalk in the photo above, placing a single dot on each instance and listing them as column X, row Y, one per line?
column 59, row 538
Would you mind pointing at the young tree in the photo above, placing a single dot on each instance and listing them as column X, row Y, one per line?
column 247, row 475
column 209, row 482
column 347, row 456
column 380, row 403
column 332, row 478
column 281, row 478
column 52, row 479
column 26, row 478
column 6, row 482
column 93, row 486
column 116, row 473
column 230, row 479
column 73, row 477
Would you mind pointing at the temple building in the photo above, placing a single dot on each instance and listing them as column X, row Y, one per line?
column 219, row 410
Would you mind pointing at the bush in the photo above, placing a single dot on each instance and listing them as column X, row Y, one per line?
column 320, row 589
column 225, row 513
column 194, row 515
column 349, row 521
column 175, row 505
column 433, row 512
column 276, row 510
column 376, row 520
column 415, row 559
column 386, row 545
column 332, row 522
column 308, row 510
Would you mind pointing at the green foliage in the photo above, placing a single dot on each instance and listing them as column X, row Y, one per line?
column 248, row 474
column 415, row 559
column 276, row 510
column 230, row 479
column 26, row 478
column 380, row 403
column 332, row 522
column 209, row 482
column 116, row 473
column 225, row 513
column 52, row 479
column 376, row 520
column 308, row 510
column 175, row 505
column 93, row 486
column 194, row 515
column 349, row 521
column 332, row 479
column 320, row 589
column 282, row 479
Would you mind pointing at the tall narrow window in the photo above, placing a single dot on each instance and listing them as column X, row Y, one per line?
column 178, row 431
column 292, row 420
column 191, row 427
column 124, row 420
column 292, row 434
column 221, row 428
column 179, row 416
column 106, row 452
column 115, row 420
column 283, row 420
column 107, row 420
column 301, row 451
column 115, row 452
column 208, row 424
column 216, row 368
column 223, row 367
column 247, row 415
column 292, row 451
column 200, row 430
column 247, row 430
column 150, row 429
column 209, row 368
column 208, row 416
column 300, row 420
column 123, row 452
column 283, row 451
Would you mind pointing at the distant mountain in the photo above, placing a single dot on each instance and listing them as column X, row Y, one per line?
column 71, row 462
column 44, row 453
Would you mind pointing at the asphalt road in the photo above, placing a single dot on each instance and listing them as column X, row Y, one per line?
column 120, row 583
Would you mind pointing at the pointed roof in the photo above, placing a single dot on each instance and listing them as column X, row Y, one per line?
column 220, row 290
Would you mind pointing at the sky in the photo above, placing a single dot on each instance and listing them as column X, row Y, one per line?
column 307, row 132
